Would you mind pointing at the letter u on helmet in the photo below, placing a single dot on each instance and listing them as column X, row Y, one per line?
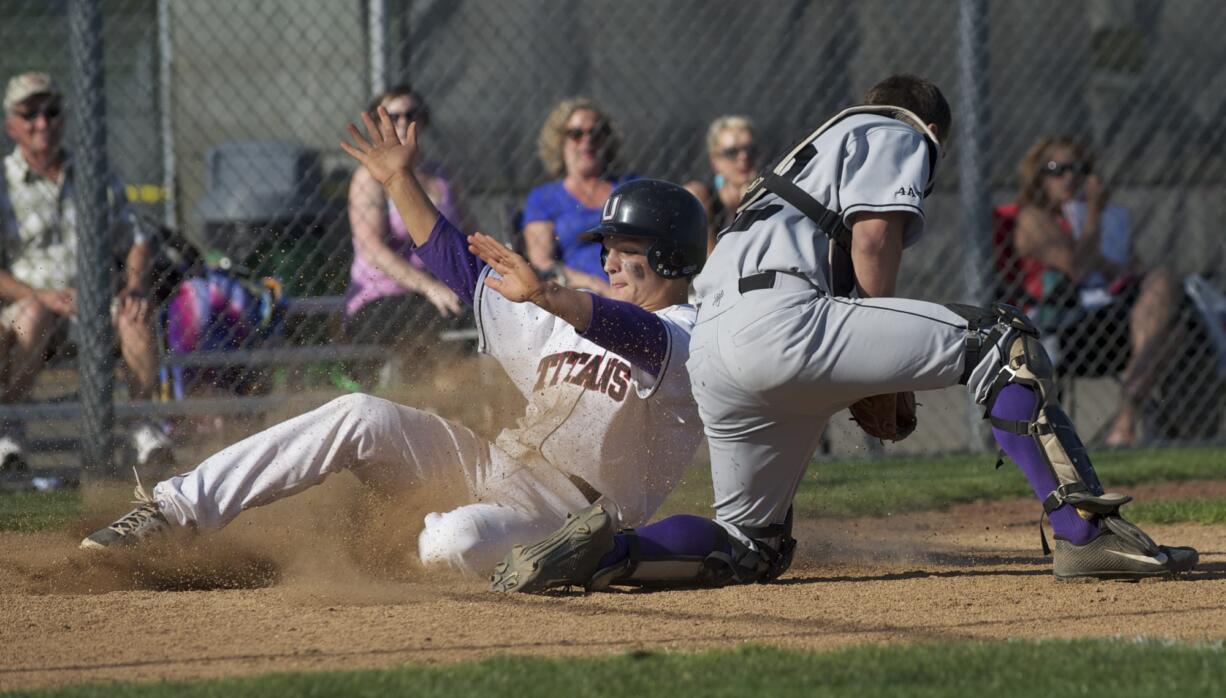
column 664, row 212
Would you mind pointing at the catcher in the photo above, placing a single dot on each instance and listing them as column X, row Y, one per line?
column 609, row 416
column 796, row 321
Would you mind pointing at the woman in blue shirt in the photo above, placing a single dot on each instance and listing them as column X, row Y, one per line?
column 577, row 144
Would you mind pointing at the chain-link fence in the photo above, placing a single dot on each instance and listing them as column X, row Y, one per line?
column 222, row 119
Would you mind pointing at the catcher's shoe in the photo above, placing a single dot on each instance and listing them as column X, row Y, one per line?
column 1123, row 551
column 569, row 557
column 143, row 522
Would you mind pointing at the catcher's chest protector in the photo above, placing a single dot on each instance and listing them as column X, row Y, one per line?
column 779, row 181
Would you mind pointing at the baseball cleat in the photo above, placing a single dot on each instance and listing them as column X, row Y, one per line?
column 569, row 557
column 1123, row 551
column 144, row 522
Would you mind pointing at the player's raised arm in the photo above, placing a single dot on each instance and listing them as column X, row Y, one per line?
column 519, row 283
column 390, row 156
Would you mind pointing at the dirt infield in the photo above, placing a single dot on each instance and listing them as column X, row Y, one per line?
column 294, row 590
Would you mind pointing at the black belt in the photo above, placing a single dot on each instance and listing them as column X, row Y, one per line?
column 585, row 488
column 766, row 279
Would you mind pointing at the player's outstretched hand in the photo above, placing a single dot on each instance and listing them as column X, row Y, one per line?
column 519, row 281
column 388, row 153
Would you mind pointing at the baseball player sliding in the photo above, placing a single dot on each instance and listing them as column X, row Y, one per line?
column 609, row 416
column 796, row 322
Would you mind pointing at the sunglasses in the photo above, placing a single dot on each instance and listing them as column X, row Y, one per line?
column 596, row 133
column 749, row 151
column 1057, row 169
column 51, row 110
column 411, row 115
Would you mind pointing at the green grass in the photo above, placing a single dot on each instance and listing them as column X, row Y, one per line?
column 1003, row 669
column 1203, row 511
column 37, row 511
column 878, row 487
column 859, row 487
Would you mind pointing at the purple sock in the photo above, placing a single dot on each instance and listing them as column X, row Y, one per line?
column 682, row 534
column 1017, row 403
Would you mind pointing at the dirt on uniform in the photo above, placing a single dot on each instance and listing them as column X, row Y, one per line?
column 296, row 586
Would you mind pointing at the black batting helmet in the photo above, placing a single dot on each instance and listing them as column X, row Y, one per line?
column 664, row 212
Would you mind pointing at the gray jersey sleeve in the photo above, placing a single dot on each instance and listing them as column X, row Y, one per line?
column 885, row 169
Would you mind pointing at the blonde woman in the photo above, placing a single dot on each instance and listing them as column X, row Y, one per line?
column 734, row 160
column 577, row 145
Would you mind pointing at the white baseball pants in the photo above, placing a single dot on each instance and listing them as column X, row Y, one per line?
column 388, row 446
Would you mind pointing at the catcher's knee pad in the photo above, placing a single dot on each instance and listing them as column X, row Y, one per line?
column 1004, row 336
column 768, row 557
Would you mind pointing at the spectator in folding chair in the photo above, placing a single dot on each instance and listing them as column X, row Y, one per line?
column 392, row 298
column 1019, row 280
column 1109, row 312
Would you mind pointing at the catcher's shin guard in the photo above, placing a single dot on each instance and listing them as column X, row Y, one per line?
column 733, row 562
column 1013, row 377
column 1005, row 335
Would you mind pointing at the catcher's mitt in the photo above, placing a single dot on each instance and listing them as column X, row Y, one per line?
column 889, row 417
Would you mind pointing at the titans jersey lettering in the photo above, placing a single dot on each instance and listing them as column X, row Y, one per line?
column 584, row 369
column 590, row 412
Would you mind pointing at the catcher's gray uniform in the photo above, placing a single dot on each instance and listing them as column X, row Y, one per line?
column 773, row 356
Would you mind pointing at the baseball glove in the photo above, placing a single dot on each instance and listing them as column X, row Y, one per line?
column 889, row 417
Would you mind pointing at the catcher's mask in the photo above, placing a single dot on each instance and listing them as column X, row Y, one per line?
column 663, row 212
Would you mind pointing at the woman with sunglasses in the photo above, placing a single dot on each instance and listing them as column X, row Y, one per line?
column 577, row 145
column 391, row 296
column 1111, row 312
column 733, row 153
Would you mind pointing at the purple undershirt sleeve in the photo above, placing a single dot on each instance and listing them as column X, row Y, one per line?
column 447, row 257
column 628, row 331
